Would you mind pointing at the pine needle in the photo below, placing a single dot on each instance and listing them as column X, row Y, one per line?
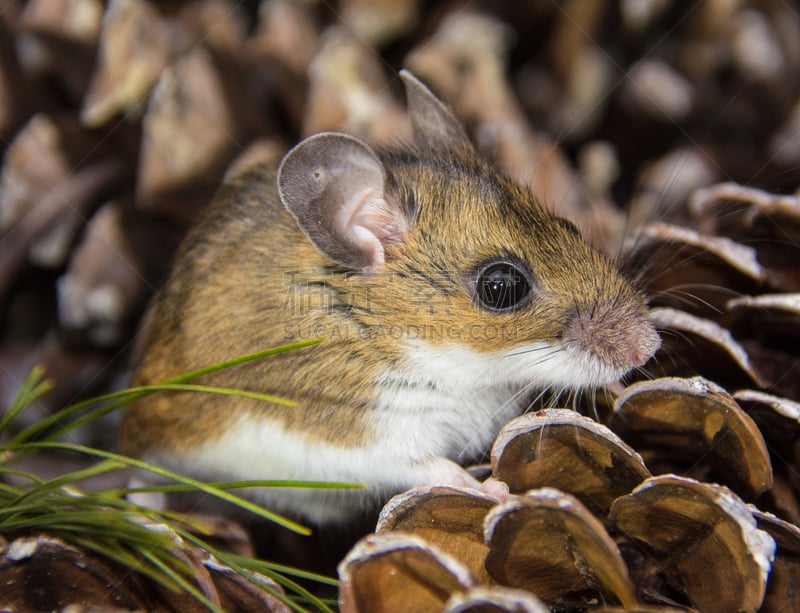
column 111, row 402
column 147, row 541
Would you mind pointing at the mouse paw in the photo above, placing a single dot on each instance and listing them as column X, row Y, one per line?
column 495, row 489
column 442, row 471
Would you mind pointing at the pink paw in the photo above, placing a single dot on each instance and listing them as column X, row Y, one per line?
column 442, row 471
column 494, row 488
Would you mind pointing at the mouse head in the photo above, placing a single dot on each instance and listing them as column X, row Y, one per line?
column 454, row 250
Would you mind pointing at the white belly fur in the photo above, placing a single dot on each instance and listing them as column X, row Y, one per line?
column 449, row 402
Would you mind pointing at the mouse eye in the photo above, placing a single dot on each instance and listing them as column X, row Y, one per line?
column 501, row 286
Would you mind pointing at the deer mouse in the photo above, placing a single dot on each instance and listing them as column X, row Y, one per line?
column 447, row 295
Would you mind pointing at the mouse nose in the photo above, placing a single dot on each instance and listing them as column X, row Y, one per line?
column 620, row 337
column 644, row 347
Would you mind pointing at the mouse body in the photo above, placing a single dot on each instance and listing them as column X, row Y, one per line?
column 447, row 296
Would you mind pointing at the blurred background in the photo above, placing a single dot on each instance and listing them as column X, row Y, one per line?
column 119, row 119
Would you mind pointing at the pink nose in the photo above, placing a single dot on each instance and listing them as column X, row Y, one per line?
column 622, row 338
column 638, row 357
column 644, row 343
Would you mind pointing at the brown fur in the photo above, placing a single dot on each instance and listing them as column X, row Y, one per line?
column 247, row 279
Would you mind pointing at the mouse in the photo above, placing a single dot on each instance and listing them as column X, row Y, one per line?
column 447, row 296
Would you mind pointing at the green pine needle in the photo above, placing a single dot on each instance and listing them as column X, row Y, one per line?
column 107, row 523
column 32, row 387
column 111, row 402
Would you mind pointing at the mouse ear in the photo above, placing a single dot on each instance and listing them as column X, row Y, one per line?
column 333, row 185
column 435, row 126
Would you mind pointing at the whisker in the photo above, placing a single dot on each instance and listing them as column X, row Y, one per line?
column 674, row 355
column 679, row 291
column 528, row 350
column 524, row 390
column 593, row 404
column 533, row 402
column 677, row 334
column 555, row 401
column 509, row 401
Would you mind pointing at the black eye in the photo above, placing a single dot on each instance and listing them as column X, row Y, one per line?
column 501, row 286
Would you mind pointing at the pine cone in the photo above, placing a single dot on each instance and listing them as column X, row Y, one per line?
column 668, row 133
